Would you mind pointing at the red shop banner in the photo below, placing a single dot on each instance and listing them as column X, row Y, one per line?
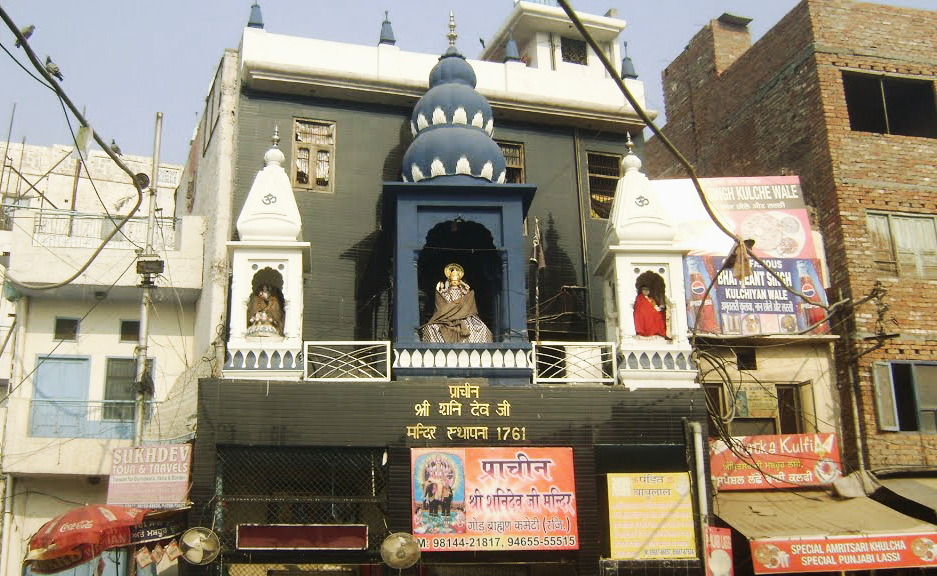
column 844, row 553
column 718, row 551
column 785, row 461
column 494, row 499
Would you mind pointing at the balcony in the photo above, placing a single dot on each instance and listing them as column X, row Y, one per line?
column 47, row 244
column 83, row 419
column 66, row 437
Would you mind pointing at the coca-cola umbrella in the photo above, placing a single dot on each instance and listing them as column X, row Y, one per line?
column 76, row 536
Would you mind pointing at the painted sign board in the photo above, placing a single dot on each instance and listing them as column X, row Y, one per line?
column 494, row 499
column 718, row 551
column 150, row 476
column 650, row 516
column 770, row 211
column 765, row 462
column 844, row 553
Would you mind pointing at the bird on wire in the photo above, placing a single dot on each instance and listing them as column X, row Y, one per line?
column 26, row 32
column 115, row 148
column 53, row 68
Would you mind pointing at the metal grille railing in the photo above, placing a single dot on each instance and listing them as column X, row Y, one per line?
column 301, row 485
column 348, row 361
column 65, row 229
column 574, row 362
column 83, row 418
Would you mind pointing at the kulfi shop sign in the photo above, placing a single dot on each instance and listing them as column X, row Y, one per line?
column 517, row 498
column 844, row 553
column 784, row 461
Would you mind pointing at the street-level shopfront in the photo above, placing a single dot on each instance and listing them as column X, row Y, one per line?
column 776, row 494
column 526, row 480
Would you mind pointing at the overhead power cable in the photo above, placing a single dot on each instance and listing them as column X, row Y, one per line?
column 140, row 182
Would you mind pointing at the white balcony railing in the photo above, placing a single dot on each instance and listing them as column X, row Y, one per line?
column 574, row 362
column 64, row 229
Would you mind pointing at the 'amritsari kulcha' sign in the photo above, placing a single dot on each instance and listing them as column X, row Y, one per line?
column 650, row 515
column 494, row 498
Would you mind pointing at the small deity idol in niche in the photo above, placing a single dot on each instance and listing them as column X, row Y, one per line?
column 650, row 315
column 265, row 312
column 456, row 316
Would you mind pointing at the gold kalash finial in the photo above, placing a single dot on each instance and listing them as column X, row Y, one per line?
column 452, row 35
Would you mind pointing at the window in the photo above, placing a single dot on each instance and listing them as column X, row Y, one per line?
column 890, row 105
column 906, row 396
column 66, row 329
column 129, row 330
column 904, row 245
column 313, row 155
column 513, row 161
column 604, row 172
column 573, row 51
column 754, row 409
column 120, row 388
column 745, row 359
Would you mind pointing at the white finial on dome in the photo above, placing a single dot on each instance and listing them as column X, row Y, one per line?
column 631, row 162
column 273, row 155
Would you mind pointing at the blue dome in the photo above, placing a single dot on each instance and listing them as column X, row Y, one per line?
column 452, row 150
column 451, row 104
column 452, row 126
column 452, row 67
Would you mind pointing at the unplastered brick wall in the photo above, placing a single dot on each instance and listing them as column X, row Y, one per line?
column 780, row 108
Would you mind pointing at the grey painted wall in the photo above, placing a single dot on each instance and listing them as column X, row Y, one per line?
column 347, row 289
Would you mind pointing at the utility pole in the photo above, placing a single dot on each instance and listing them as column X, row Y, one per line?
column 148, row 265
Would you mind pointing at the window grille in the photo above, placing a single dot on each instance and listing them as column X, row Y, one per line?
column 513, row 161
column 604, row 172
column 314, row 154
column 573, row 51
column 302, row 485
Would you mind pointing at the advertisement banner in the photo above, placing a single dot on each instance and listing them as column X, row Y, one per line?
column 650, row 516
column 718, row 551
column 844, row 553
column 150, row 476
column 494, row 499
column 764, row 462
column 770, row 211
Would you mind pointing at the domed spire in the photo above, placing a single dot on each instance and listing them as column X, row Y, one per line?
column 627, row 66
column 452, row 125
column 256, row 20
column 270, row 212
column 387, row 33
column 510, row 49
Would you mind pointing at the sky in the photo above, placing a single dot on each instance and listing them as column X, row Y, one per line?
column 125, row 60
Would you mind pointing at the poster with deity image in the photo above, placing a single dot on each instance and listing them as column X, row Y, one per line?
column 518, row 498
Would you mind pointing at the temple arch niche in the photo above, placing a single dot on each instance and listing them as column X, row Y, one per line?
column 471, row 245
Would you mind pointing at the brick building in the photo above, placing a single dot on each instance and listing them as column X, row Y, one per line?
column 841, row 94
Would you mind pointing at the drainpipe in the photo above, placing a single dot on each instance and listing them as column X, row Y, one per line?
column 700, row 481
column 7, row 524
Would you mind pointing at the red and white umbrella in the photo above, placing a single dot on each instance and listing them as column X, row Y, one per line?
column 76, row 536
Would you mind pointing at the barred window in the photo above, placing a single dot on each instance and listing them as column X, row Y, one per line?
column 573, row 51
column 513, row 161
column 604, row 172
column 314, row 155
column 755, row 409
column 903, row 244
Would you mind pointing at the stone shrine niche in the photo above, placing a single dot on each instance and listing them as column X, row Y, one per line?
column 266, row 305
column 651, row 310
column 470, row 245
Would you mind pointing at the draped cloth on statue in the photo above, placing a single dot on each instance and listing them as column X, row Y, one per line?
column 648, row 320
column 456, row 317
